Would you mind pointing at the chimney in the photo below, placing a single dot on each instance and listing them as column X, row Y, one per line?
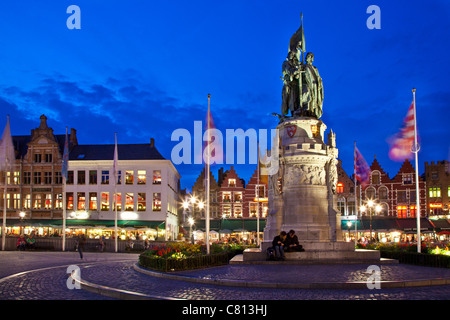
column 152, row 142
column 73, row 137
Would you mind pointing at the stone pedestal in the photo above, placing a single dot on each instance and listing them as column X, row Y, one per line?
column 302, row 196
column 302, row 191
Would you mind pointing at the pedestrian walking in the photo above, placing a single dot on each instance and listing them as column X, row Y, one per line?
column 80, row 245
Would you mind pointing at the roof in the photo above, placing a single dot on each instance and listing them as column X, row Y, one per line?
column 106, row 152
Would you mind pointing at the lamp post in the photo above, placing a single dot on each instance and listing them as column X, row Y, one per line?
column 22, row 216
column 191, row 223
column 349, row 225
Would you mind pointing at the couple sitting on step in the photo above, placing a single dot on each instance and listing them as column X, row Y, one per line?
column 285, row 242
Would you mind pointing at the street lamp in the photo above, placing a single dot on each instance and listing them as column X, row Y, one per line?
column 22, row 215
column 349, row 225
column 191, row 222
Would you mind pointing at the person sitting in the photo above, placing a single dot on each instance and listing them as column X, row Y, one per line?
column 31, row 242
column 292, row 244
column 21, row 243
column 278, row 244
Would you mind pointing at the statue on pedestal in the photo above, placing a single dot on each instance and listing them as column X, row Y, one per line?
column 302, row 92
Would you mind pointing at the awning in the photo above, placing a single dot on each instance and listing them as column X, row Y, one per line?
column 88, row 223
column 410, row 224
column 232, row 225
column 440, row 224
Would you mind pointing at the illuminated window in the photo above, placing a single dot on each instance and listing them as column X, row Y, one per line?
column 435, row 192
column 227, row 211
column 156, row 176
column 58, row 200
column 157, row 201
column 253, row 209
column 105, row 201
column 48, row 201
column 16, row 179
column 16, row 200
column 238, row 197
column 232, row 183
column 69, row 200
column 401, row 211
column 141, row 202
column 37, row 201
column 315, row 130
column 413, row 211
column 340, row 187
column 226, row 197
column 118, row 201
column 27, row 201
column 81, row 201
column 141, row 176
column 129, row 177
column 129, row 201
column 260, row 191
column 238, row 211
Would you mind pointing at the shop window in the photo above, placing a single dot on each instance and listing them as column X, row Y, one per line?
column 81, row 177
column 105, row 176
column 157, row 201
column 129, row 201
column 129, row 177
column 92, row 176
column 105, row 201
column 141, row 202
column 340, row 187
column 81, row 201
column 156, row 176
column 141, row 176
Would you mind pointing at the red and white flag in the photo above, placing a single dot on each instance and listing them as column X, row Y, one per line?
column 212, row 147
column 402, row 144
column 362, row 169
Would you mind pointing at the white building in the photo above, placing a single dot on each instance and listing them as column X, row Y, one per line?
column 147, row 188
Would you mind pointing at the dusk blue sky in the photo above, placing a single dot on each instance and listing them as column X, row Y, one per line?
column 144, row 68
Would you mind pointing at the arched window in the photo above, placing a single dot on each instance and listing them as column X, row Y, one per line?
column 370, row 193
column 340, row 187
column 375, row 177
column 383, row 193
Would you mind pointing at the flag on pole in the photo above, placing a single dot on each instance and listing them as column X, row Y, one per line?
column 401, row 145
column 362, row 169
column 212, row 149
column 115, row 163
column 7, row 155
column 65, row 165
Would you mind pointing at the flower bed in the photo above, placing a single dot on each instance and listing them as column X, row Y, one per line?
column 431, row 255
column 176, row 256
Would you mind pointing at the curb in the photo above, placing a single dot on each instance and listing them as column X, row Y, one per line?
column 311, row 285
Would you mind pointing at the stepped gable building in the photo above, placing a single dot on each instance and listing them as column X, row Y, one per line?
column 231, row 195
column 253, row 194
column 199, row 192
column 345, row 189
column 437, row 176
column 147, row 186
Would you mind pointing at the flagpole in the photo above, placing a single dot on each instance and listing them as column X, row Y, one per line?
column 115, row 193
column 207, row 176
column 64, row 195
column 356, row 196
column 5, row 191
column 416, row 151
column 257, row 199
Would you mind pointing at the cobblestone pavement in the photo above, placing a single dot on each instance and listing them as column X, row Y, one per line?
column 116, row 271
